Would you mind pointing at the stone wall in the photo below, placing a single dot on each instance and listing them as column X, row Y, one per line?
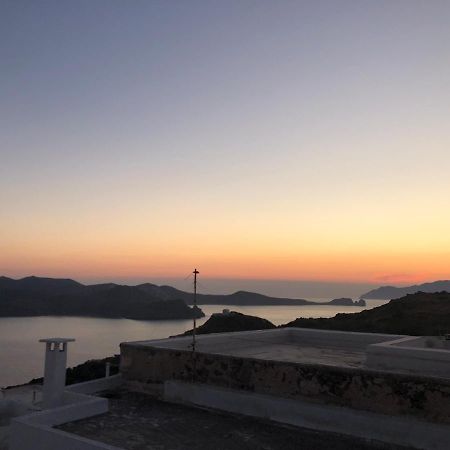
column 363, row 389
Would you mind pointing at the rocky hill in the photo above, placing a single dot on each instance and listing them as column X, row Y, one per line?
column 426, row 314
column 232, row 321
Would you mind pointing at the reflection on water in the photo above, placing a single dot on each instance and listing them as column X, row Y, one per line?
column 22, row 356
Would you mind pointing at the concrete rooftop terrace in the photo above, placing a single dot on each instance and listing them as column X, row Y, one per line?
column 331, row 348
column 419, row 355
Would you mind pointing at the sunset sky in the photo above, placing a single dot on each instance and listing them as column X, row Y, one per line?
column 279, row 140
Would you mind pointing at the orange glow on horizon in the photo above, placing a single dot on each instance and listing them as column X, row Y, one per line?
column 377, row 268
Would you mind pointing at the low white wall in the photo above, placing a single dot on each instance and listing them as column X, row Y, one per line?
column 424, row 342
column 398, row 355
column 390, row 429
column 35, row 431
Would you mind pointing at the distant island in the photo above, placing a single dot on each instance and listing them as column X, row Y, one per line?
column 240, row 298
column 390, row 292
column 36, row 296
column 347, row 302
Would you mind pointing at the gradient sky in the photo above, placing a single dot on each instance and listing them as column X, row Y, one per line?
column 287, row 140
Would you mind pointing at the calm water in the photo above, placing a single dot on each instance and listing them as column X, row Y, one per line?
column 22, row 356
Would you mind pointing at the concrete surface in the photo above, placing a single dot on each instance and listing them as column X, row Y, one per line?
column 15, row 402
column 34, row 431
column 140, row 422
column 428, row 355
column 327, row 355
column 396, row 430
column 307, row 346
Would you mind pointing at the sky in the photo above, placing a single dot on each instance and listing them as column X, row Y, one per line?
column 287, row 141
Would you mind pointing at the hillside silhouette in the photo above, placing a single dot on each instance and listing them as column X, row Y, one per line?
column 36, row 296
column 231, row 321
column 422, row 314
column 389, row 292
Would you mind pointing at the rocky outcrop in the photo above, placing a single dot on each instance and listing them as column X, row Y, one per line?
column 232, row 321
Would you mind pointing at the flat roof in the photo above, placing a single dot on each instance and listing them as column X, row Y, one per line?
column 326, row 355
column 141, row 422
column 331, row 348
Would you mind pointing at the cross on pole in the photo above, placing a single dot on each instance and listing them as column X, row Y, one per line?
column 194, row 332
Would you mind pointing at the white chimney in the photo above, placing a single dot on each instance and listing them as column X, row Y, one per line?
column 55, row 371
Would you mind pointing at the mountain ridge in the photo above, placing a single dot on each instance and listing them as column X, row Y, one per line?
column 390, row 292
column 32, row 296
column 35, row 296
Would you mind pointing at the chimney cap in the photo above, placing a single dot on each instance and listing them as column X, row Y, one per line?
column 57, row 340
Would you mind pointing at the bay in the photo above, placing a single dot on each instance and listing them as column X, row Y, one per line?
column 22, row 356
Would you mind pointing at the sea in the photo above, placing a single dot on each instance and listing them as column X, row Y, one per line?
column 22, row 356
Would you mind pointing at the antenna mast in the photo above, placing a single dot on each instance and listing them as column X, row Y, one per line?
column 194, row 332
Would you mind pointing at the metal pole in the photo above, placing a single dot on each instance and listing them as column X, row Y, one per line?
column 194, row 332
